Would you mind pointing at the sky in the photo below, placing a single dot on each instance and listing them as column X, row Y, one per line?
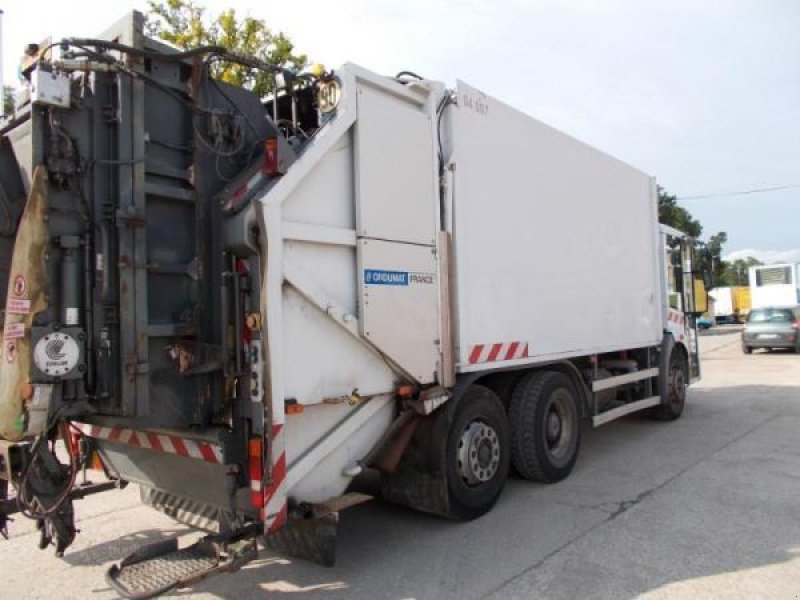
column 702, row 94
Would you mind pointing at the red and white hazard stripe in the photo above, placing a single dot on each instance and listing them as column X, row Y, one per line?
column 675, row 317
column 275, row 511
column 482, row 353
column 158, row 442
column 244, row 189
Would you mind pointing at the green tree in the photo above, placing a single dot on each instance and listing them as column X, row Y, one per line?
column 711, row 261
column 709, row 257
column 186, row 24
column 736, row 272
column 673, row 214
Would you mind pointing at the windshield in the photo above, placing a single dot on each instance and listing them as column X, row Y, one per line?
column 770, row 315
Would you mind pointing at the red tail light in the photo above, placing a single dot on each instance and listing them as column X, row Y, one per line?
column 795, row 325
column 271, row 156
column 255, row 451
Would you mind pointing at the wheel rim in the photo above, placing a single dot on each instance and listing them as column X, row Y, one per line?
column 478, row 453
column 677, row 384
column 559, row 426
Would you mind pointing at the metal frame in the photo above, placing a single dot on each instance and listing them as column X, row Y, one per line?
column 625, row 409
column 610, row 382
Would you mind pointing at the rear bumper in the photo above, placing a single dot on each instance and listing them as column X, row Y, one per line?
column 192, row 476
column 783, row 342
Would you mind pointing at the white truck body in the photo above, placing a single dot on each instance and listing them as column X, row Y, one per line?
column 398, row 276
column 723, row 302
column 548, row 236
column 359, row 277
column 775, row 285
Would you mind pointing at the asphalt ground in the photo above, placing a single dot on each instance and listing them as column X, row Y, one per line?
column 704, row 507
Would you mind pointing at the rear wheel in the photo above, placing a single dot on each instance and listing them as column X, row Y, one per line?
column 477, row 453
column 457, row 460
column 545, row 426
column 747, row 349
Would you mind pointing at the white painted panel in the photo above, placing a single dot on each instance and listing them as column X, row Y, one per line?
column 400, row 304
column 395, row 168
column 723, row 301
column 555, row 242
column 323, row 361
column 326, row 195
column 305, row 431
column 333, row 269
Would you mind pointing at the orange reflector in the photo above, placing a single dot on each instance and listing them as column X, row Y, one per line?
column 254, row 447
column 95, row 463
column 294, row 409
column 405, row 391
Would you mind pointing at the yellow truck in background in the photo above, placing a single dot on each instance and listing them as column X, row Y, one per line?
column 731, row 304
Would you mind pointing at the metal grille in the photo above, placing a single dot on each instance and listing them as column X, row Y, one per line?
column 774, row 276
column 187, row 511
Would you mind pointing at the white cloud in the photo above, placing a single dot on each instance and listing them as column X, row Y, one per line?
column 766, row 256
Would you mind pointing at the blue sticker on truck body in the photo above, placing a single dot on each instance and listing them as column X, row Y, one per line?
column 380, row 277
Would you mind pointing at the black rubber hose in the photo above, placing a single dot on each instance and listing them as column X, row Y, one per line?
column 408, row 74
column 176, row 56
column 220, row 51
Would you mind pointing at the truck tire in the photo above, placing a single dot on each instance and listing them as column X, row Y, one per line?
column 545, row 426
column 673, row 386
column 747, row 349
column 477, row 453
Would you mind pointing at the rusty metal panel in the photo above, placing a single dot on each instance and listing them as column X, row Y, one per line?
column 26, row 296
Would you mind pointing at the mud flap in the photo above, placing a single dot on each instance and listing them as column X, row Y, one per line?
column 418, row 490
column 313, row 537
column 159, row 568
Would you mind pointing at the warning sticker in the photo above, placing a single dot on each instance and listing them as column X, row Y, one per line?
column 19, row 285
column 10, row 350
column 14, row 331
column 18, row 306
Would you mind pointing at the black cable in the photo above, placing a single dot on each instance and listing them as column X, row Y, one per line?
column 176, row 56
column 789, row 186
column 220, row 51
column 138, row 75
column 168, row 146
column 222, row 93
column 24, row 504
column 408, row 74
column 134, row 161
column 446, row 100
column 172, row 93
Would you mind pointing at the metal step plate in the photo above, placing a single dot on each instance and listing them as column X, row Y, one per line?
column 158, row 568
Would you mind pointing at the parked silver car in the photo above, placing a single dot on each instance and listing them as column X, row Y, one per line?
column 771, row 327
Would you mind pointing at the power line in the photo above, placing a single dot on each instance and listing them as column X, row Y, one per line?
column 742, row 192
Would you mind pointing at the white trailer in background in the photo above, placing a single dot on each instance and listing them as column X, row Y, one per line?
column 723, row 304
column 775, row 285
column 426, row 282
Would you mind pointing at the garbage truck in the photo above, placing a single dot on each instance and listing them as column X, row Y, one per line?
column 242, row 303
